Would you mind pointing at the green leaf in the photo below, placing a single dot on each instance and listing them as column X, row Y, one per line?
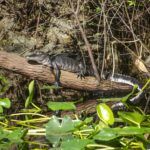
column 75, row 144
column 16, row 135
column 5, row 102
column 1, row 109
column 8, row 138
column 132, row 117
column 61, row 106
column 56, row 130
column 126, row 131
column 98, row 9
column 125, row 98
column 105, row 113
column 31, row 92
column 108, row 134
column 4, row 84
column 131, row 2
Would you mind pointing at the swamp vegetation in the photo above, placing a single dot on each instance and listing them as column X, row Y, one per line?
column 111, row 36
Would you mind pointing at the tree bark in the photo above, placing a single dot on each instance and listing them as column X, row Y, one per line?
column 19, row 65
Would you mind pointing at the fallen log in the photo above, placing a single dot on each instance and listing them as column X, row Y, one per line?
column 18, row 64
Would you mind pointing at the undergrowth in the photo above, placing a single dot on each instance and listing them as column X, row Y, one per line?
column 29, row 128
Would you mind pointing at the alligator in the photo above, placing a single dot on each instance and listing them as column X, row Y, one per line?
column 65, row 62
column 57, row 63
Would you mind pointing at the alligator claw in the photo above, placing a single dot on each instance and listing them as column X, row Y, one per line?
column 81, row 76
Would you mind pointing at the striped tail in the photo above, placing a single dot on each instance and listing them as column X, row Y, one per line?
column 119, row 78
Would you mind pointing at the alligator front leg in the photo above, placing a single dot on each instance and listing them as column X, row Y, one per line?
column 57, row 75
column 57, row 83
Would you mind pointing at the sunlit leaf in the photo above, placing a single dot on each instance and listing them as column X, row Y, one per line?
column 105, row 113
column 5, row 102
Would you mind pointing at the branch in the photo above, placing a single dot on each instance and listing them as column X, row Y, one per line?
column 19, row 65
column 85, row 40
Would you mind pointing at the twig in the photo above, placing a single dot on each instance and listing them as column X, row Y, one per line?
column 105, row 38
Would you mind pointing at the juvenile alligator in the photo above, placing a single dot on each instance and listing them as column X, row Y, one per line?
column 58, row 62
column 64, row 62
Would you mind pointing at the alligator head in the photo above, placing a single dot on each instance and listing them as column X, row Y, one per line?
column 38, row 57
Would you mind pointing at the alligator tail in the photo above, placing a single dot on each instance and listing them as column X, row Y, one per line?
column 130, row 81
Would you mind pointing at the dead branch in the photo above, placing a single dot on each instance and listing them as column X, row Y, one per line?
column 19, row 65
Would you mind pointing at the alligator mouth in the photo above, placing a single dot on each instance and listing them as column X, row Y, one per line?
column 33, row 62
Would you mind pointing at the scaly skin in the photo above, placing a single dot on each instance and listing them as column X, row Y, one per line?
column 58, row 62
column 64, row 62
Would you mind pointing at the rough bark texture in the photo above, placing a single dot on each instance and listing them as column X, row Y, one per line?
column 19, row 65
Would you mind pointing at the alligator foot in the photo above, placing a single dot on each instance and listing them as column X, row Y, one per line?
column 81, row 75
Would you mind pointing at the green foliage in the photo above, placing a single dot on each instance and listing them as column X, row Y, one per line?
column 29, row 99
column 9, row 138
column 120, row 27
column 61, row 106
column 133, row 118
column 105, row 114
column 65, row 133
column 131, row 2
column 56, row 130
column 125, row 98
column 31, row 92
column 75, row 144
column 4, row 84
column 4, row 102
column 108, row 134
